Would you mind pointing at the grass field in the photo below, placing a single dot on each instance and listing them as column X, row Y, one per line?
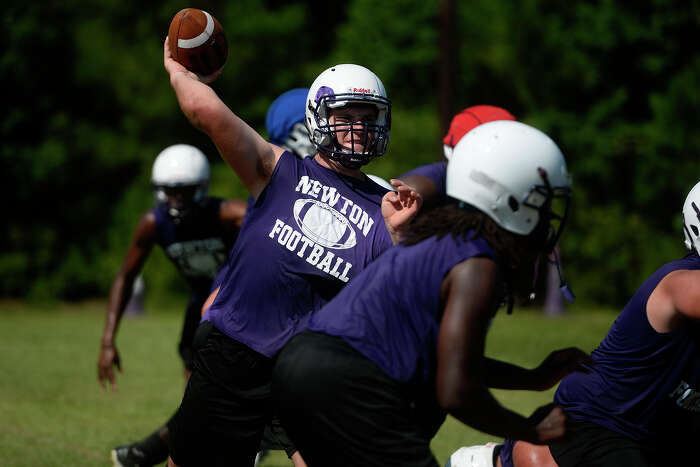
column 53, row 413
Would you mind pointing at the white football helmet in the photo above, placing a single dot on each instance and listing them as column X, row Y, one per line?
column 691, row 219
column 337, row 87
column 512, row 172
column 180, row 177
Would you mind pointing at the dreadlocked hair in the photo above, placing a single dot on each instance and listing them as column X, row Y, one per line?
column 464, row 221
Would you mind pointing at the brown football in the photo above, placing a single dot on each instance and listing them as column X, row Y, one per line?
column 197, row 41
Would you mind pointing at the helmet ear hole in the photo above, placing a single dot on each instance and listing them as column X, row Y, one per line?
column 513, row 204
column 694, row 228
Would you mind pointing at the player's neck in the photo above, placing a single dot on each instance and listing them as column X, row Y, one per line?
column 338, row 167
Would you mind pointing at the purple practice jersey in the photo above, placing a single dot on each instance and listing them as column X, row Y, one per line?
column 309, row 232
column 391, row 312
column 644, row 383
column 437, row 172
column 197, row 246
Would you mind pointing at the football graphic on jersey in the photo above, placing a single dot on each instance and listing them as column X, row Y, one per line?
column 324, row 225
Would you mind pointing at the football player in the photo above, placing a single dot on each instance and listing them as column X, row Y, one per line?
column 429, row 179
column 196, row 232
column 639, row 404
column 369, row 382
column 315, row 223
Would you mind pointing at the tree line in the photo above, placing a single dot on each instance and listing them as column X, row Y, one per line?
column 88, row 107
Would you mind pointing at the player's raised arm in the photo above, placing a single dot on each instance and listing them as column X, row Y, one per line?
column 248, row 154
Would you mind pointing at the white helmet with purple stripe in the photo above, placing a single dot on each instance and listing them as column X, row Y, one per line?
column 691, row 219
column 336, row 87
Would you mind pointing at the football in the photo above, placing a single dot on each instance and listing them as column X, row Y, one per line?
column 197, row 40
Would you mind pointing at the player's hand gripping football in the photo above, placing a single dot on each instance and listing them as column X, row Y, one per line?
column 399, row 208
column 558, row 364
column 173, row 67
column 109, row 358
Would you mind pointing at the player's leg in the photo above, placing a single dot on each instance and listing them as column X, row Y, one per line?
column 275, row 438
column 225, row 407
column 193, row 316
column 532, row 455
column 591, row 445
column 340, row 409
column 153, row 449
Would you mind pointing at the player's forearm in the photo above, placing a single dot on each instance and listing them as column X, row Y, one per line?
column 503, row 375
column 478, row 409
column 118, row 298
column 195, row 98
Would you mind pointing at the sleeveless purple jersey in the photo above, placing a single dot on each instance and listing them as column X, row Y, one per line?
column 197, row 246
column 644, row 383
column 437, row 172
column 391, row 312
column 309, row 232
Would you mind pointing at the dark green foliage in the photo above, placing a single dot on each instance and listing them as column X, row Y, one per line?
column 88, row 106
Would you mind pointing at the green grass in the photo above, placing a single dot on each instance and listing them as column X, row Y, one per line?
column 53, row 413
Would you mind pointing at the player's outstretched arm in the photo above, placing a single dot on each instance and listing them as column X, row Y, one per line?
column 248, row 154
column 141, row 244
column 471, row 300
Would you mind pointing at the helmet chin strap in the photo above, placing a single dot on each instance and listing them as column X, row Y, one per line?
column 564, row 287
column 563, row 284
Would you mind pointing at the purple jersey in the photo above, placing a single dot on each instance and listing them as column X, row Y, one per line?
column 437, row 172
column 309, row 232
column 197, row 246
column 391, row 312
column 644, row 383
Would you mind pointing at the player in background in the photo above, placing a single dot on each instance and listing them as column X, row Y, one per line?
column 315, row 223
column 284, row 123
column 640, row 403
column 196, row 232
column 362, row 387
column 429, row 181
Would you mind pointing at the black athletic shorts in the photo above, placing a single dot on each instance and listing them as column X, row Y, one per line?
column 193, row 315
column 226, row 406
column 340, row 409
column 588, row 444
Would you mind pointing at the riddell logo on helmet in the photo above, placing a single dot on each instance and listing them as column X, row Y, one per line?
column 362, row 90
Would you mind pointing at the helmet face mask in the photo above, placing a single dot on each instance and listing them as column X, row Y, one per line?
column 348, row 87
column 180, row 199
column 180, row 180
column 691, row 219
column 552, row 204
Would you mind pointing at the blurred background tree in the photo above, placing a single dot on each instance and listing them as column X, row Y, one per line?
column 88, row 107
